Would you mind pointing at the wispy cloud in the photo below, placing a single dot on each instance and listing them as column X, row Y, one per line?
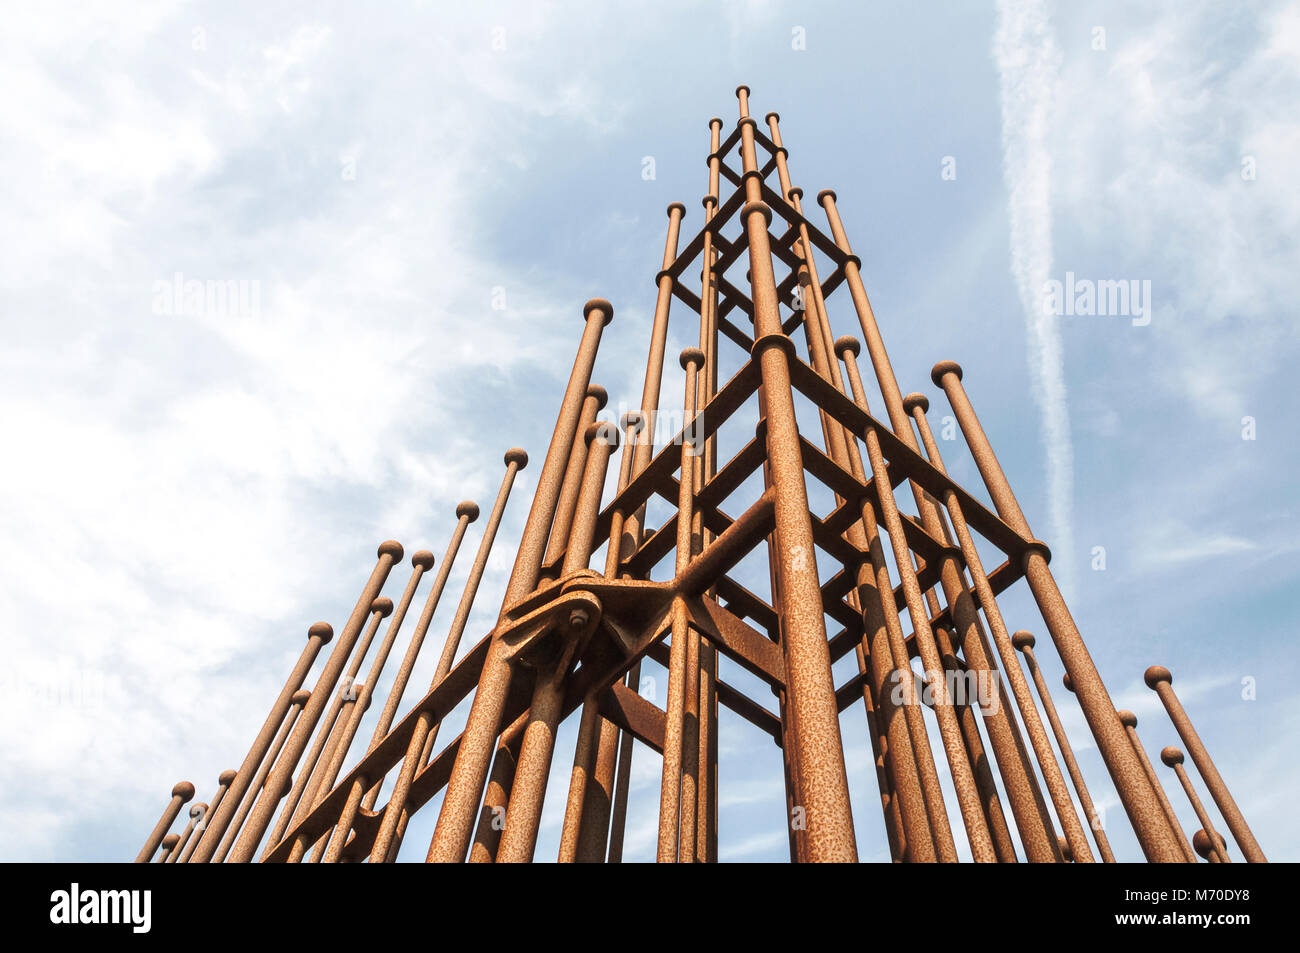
column 1028, row 60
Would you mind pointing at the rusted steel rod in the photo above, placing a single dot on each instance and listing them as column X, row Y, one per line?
column 819, row 749
column 584, row 835
column 278, row 782
column 297, row 703
column 842, row 448
column 354, row 707
column 528, row 790
column 451, row 837
column 302, row 795
column 613, row 828
column 622, row 778
column 1129, row 721
column 523, row 796
column 492, row 816
column 223, row 784
column 689, row 822
column 1202, row 844
column 466, row 512
column 1024, row 641
column 969, row 801
column 393, row 825
column 1158, row 840
column 528, row 786
column 1004, row 734
column 214, row 833
column 642, row 450
column 1173, row 758
column 584, row 762
column 924, row 815
column 197, row 811
column 1003, row 844
column 706, row 811
column 168, row 845
column 421, row 562
column 672, row 797
column 181, row 794
column 1042, row 747
column 571, row 486
column 1160, row 681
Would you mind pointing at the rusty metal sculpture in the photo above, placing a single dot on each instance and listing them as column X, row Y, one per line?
column 569, row 638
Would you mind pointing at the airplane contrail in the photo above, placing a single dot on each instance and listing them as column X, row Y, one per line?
column 1028, row 60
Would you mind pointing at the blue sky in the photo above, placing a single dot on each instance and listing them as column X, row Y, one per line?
column 185, row 492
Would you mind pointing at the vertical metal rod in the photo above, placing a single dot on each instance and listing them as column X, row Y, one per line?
column 420, row 563
column 1027, row 804
column 591, row 782
column 1065, row 812
column 277, row 784
column 354, row 708
column 843, row 449
column 796, row 827
column 969, row 801
column 181, row 794
column 318, row 635
column 584, row 761
column 688, row 845
column 602, row 439
column 492, row 817
column 706, row 813
column 593, row 838
column 1158, row 840
column 671, row 795
column 451, row 837
column 916, row 780
column 223, row 784
column 393, row 826
column 642, row 451
column 1129, row 721
column 596, row 399
column 1173, row 758
column 466, row 512
column 297, row 703
column 196, row 814
column 1001, row 834
column 622, row 778
column 1160, row 681
column 1004, row 734
column 302, row 796
column 168, row 845
column 819, row 749
column 1024, row 641
column 528, row 790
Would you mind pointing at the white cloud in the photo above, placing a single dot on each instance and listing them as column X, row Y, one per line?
column 184, row 489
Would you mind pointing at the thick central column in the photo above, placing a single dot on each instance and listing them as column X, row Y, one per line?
column 822, row 786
